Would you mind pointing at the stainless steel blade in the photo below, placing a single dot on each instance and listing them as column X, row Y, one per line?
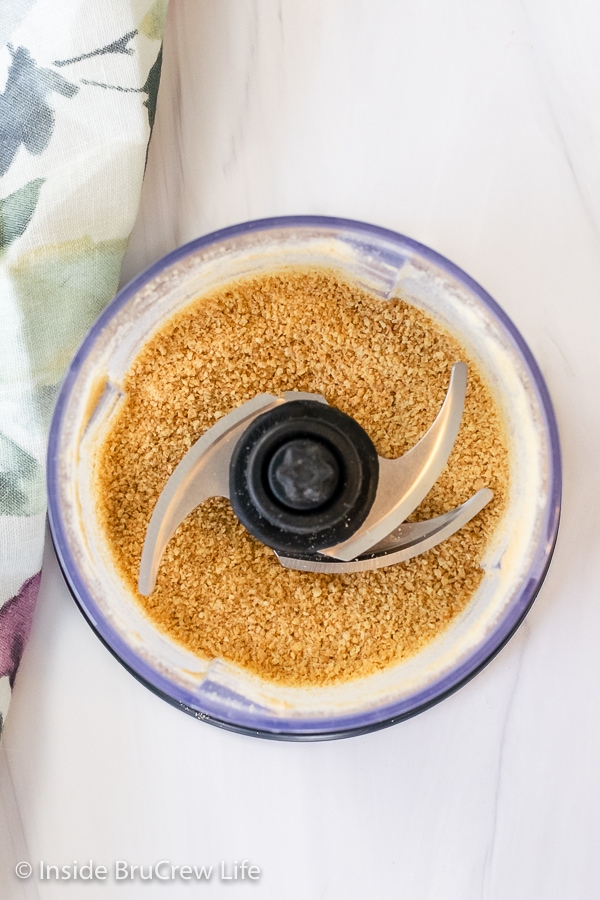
column 409, row 540
column 406, row 481
column 202, row 473
column 383, row 540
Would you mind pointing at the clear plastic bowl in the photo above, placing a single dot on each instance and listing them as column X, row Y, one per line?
column 516, row 561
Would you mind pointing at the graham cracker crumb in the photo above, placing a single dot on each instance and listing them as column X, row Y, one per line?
column 220, row 593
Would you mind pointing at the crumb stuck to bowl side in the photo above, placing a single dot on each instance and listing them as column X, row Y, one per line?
column 220, row 593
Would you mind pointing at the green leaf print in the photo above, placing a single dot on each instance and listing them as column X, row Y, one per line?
column 151, row 88
column 26, row 117
column 153, row 23
column 16, row 210
column 22, row 488
column 60, row 290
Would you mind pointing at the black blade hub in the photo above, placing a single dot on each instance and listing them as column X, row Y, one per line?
column 303, row 476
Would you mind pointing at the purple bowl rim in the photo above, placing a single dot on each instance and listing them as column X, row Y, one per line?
column 259, row 721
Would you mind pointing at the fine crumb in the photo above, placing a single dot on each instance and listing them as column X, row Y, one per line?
column 221, row 593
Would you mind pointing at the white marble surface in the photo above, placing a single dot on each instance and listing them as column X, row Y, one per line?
column 474, row 128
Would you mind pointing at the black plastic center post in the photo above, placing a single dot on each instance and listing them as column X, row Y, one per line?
column 303, row 474
column 303, row 477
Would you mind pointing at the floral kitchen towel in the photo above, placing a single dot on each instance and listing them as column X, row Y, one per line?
column 78, row 83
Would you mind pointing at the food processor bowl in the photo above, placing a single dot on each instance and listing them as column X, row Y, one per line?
column 516, row 560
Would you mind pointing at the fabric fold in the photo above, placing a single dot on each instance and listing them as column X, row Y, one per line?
column 78, row 86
